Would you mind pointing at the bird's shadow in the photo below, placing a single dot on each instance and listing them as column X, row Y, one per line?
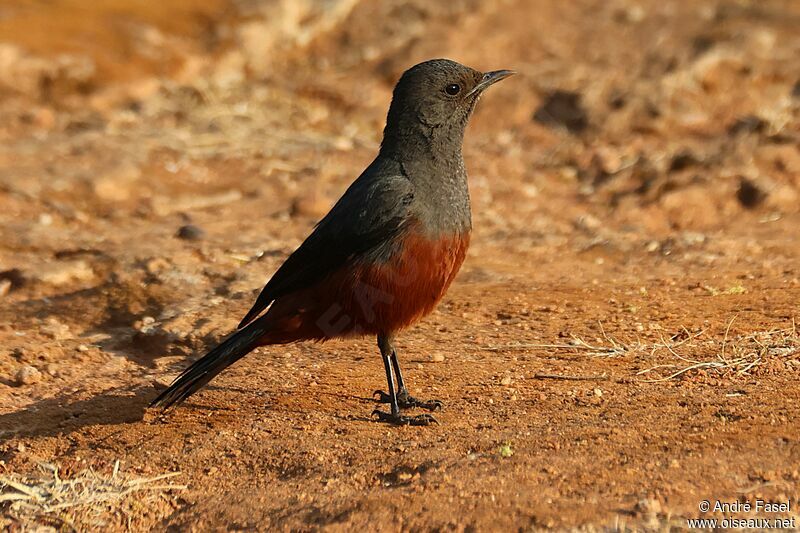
column 65, row 414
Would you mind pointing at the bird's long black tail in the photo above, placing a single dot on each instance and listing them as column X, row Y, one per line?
column 204, row 369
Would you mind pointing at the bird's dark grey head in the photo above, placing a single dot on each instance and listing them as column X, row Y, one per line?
column 431, row 106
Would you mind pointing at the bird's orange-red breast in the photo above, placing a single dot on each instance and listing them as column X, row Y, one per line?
column 374, row 297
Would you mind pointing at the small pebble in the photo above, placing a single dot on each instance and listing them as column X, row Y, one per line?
column 437, row 358
column 28, row 375
column 598, row 392
column 145, row 325
column 190, row 232
column 506, row 381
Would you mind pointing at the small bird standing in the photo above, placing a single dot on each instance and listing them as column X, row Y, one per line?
column 388, row 250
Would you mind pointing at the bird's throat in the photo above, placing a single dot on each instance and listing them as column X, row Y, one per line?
column 417, row 140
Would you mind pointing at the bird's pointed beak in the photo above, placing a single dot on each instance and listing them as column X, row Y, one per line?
column 490, row 78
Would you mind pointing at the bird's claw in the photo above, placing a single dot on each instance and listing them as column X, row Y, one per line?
column 428, row 405
column 406, row 401
column 382, row 397
column 401, row 420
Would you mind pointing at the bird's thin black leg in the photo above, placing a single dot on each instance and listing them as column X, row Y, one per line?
column 401, row 386
column 385, row 345
column 390, row 380
column 404, row 399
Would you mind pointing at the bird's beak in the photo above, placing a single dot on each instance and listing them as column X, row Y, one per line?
column 490, row 78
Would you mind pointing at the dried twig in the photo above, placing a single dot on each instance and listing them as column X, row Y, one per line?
column 601, row 377
column 739, row 355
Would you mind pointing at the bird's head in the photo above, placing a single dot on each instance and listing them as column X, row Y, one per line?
column 435, row 99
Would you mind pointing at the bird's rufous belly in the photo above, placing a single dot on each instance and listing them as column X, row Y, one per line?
column 372, row 297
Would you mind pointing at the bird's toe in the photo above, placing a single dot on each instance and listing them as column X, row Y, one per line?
column 406, row 401
column 381, row 397
column 402, row 420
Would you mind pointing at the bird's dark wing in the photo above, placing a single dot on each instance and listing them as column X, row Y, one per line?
column 371, row 213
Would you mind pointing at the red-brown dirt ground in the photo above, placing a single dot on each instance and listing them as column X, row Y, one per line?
column 620, row 345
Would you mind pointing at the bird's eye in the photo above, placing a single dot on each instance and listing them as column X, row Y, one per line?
column 453, row 89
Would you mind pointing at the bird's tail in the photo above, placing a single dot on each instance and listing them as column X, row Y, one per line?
column 204, row 369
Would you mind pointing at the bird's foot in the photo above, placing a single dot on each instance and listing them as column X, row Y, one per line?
column 400, row 420
column 406, row 401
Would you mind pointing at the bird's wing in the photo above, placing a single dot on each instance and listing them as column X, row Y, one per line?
column 371, row 213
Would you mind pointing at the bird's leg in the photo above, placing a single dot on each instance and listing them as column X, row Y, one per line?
column 404, row 399
column 385, row 345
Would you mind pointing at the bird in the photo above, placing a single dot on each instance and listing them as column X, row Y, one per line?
column 387, row 251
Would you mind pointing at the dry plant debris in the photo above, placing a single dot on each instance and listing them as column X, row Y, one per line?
column 81, row 499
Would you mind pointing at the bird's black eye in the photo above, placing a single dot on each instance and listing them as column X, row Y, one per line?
column 453, row 89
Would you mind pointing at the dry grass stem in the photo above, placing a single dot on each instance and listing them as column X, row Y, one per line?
column 694, row 351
